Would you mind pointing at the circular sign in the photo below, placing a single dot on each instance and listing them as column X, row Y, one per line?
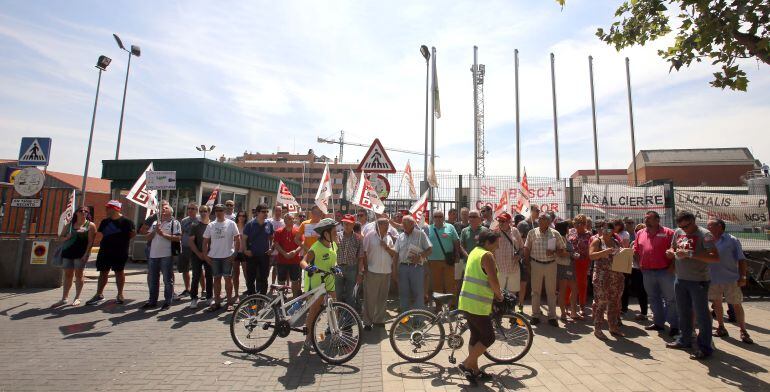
column 29, row 181
column 381, row 185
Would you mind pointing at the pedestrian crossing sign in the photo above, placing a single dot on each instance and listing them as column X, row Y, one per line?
column 35, row 151
column 376, row 160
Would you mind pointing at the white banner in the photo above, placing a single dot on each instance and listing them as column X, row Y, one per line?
column 615, row 201
column 743, row 210
column 324, row 192
column 548, row 195
column 140, row 195
column 366, row 197
column 284, row 197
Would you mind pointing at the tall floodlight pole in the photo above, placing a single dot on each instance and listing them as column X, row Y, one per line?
column 518, row 128
column 555, row 119
column 433, row 125
column 426, row 54
column 101, row 65
column 593, row 113
column 135, row 51
column 631, row 120
column 475, row 71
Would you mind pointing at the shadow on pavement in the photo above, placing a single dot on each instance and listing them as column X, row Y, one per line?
column 628, row 347
column 560, row 334
column 5, row 312
column 504, row 377
column 736, row 371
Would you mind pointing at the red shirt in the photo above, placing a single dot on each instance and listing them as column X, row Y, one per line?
column 652, row 248
column 285, row 238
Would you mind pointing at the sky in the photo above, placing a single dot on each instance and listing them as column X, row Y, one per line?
column 262, row 76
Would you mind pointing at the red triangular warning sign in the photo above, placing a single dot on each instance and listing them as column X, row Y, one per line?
column 376, row 160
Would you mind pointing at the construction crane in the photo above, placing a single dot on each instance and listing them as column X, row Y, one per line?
column 341, row 141
column 478, row 115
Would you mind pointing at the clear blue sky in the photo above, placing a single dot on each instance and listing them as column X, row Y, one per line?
column 265, row 75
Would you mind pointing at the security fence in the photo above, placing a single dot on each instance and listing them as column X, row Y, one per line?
column 44, row 221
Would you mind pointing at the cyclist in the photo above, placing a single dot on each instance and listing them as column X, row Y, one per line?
column 480, row 288
column 322, row 256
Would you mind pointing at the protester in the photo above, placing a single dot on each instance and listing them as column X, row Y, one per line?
column 507, row 254
column 372, row 226
column 413, row 248
column 322, row 256
column 692, row 249
column 727, row 278
column 451, row 216
column 287, row 269
column 464, row 220
column 184, row 259
column 619, row 228
column 634, row 284
column 350, row 257
column 480, row 287
column 523, row 266
column 608, row 284
column 240, row 260
column 307, row 236
column 469, row 238
column 631, row 228
column 542, row 246
column 221, row 239
column 230, row 210
column 198, row 261
column 362, row 218
column 579, row 238
column 380, row 263
column 256, row 244
column 117, row 232
column 650, row 246
column 528, row 224
column 162, row 233
column 487, row 216
column 78, row 239
column 565, row 272
column 445, row 244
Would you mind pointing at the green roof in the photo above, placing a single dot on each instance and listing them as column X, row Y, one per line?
column 190, row 172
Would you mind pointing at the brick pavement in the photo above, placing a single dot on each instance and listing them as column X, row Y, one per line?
column 120, row 348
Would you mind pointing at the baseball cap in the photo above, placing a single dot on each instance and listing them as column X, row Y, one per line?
column 504, row 217
column 349, row 218
column 114, row 204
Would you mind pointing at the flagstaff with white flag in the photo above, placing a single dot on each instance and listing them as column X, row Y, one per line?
column 213, row 197
column 141, row 196
column 324, row 191
column 366, row 196
column 522, row 199
column 66, row 216
column 285, row 197
column 419, row 209
column 409, row 181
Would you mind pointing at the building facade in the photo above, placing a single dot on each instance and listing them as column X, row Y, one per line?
column 695, row 167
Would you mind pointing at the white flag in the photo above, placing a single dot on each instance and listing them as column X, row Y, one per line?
column 350, row 186
column 419, row 209
column 436, row 102
column 366, row 196
column 431, row 175
column 66, row 216
column 410, row 181
column 522, row 199
column 324, row 191
column 502, row 206
column 213, row 197
column 285, row 197
column 140, row 195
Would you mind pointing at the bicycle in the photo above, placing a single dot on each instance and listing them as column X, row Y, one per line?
column 336, row 334
column 423, row 335
column 758, row 271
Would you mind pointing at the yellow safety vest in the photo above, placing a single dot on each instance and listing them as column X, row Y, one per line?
column 476, row 296
column 325, row 258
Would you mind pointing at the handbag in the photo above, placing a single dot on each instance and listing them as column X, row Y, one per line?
column 58, row 260
column 176, row 246
column 449, row 257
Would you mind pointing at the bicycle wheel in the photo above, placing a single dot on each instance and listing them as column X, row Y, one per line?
column 337, row 348
column 513, row 338
column 253, row 324
column 416, row 336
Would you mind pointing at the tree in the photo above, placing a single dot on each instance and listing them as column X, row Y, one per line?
column 720, row 31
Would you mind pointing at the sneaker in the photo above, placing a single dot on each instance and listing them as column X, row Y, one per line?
column 148, row 305
column 745, row 338
column 96, row 300
column 193, row 304
column 699, row 355
column 367, row 327
column 521, row 308
column 654, row 327
column 308, row 346
column 165, row 306
column 185, row 293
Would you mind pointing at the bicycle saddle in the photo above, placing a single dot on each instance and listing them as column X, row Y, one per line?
column 442, row 298
column 280, row 287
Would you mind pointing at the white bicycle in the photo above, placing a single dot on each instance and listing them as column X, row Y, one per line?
column 336, row 330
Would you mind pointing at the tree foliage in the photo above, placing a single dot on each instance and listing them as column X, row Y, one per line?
column 719, row 31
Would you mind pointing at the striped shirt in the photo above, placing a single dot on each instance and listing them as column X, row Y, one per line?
column 351, row 248
column 505, row 255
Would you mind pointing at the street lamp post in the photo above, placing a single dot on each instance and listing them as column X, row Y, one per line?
column 204, row 149
column 135, row 51
column 101, row 65
column 426, row 54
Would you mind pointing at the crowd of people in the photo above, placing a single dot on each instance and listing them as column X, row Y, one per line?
column 675, row 272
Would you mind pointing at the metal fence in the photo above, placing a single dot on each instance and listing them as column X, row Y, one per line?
column 44, row 221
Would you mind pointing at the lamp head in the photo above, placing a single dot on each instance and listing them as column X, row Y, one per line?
column 212, row 147
column 425, row 52
column 135, row 50
column 103, row 62
column 120, row 43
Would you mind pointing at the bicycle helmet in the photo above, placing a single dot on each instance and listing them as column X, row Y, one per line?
column 325, row 225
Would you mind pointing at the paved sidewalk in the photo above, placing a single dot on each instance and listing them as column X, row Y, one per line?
column 113, row 347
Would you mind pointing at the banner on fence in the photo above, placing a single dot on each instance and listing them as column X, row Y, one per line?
column 744, row 210
column 616, row 201
column 546, row 194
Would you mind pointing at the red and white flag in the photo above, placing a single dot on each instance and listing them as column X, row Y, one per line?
column 419, row 210
column 66, row 216
column 324, row 191
column 410, row 180
column 366, row 196
column 503, row 206
column 286, row 198
column 213, row 197
column 522, row 199
column 350, row 186
column 140, row 195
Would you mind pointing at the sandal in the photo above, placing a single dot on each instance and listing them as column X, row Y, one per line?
column 745, row 338
column 600, row 335
column 721, row 332
column 617, row 333
column 120, row 300
column 230, row 308
column 468, row 373
column 214, row 307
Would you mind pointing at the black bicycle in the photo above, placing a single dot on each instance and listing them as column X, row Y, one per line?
column 417, row 335
column 758, row 271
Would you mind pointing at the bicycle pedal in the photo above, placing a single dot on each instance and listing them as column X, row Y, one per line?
column 304, row 331
column 452, row 360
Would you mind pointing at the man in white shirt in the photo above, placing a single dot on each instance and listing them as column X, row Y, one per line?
column 220, row 240
column 380, row 263
column 161, row 234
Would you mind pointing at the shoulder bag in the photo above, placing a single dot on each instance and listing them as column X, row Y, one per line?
column 449, row 257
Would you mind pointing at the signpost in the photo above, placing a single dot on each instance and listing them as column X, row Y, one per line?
column 39, row 253
column 161, row 180
column 26, row 203
column 29, row 181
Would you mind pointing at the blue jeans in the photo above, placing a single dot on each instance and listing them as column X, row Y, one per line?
column 345, row 284
column 659, row 285
column 411, row 286
column 692, row 297
column 156, row 266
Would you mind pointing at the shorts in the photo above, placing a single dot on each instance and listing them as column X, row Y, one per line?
column 292, row 270
column 77, row 264
column 731, row 292
column 183, row 260
column 481, row 329
column 106, row 263
column 525, row 266
column 565, row 272
column 221, row 267
column 510, row 281
column 459, row 269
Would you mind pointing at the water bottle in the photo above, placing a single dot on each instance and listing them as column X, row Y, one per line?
column 295, row 307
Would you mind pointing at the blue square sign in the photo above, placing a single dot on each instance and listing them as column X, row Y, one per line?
column 35, row 151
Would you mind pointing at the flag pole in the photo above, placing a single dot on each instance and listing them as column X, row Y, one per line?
column 631, row 119
column 555, row 119
column 433, row 124
column 518, row 128
column 593, row 114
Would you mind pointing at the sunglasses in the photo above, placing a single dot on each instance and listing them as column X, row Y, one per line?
column 190, row 208
column 218, row 210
